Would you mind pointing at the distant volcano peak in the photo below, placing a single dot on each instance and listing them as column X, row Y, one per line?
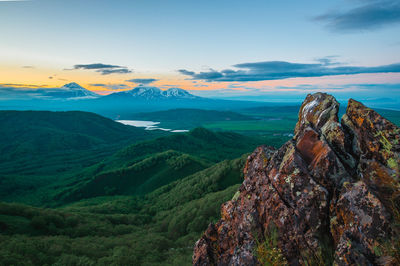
column 72, row 85
column 178, row 92
column 155, row 93
column 71, row 90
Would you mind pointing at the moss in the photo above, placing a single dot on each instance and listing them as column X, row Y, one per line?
column 236, row 196
column 289, row 152
column 267, row 251
column 387, row 150
column 313, row 258
column 392, row 163
column 378, row 251
column 346, row 184
column 387, row 146
column 333, row 220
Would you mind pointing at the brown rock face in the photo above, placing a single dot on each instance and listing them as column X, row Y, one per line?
column 376, row 145
column 328, row 196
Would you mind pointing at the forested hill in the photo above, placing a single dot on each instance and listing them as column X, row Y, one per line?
column 105, row 193
column 45, row 131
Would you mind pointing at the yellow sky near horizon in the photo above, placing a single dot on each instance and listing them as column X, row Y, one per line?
column 35, row 77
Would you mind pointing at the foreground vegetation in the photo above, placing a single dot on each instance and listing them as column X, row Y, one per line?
column 159, row 228
column 120, row 201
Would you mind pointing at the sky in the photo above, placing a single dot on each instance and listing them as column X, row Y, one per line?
column 251, row 50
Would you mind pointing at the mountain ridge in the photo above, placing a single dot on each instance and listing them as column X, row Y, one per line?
column 136, row 167
column 74, row 91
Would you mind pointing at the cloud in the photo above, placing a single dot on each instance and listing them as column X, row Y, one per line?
column 370, row 16
column 378, row 94
column 28, row 67
column 110, row 86
column 98, row 85
column 200, row 85
column 393, row 87
column 114, row 71
column 169, row 86
column 329, row 60
column 277, row 70
column 21, row 85
column 9, row 91
column 104, row 69
column 210, row 75
column 186, row 72
column 142, row 81
column 95, row 66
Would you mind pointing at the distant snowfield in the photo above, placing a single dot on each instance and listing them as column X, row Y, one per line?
column 148, row 125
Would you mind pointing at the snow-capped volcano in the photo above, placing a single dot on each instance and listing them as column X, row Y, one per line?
column 178, row 93
column 69, row 91
column 78, row 91
column 146, row 92
column 152, row 93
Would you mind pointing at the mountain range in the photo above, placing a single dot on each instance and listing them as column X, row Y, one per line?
column 152, row 93
column 73, row 91
column 117, row 105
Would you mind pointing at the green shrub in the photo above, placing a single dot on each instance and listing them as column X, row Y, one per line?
column 267, row 251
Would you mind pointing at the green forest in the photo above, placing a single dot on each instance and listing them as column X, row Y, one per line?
column 80, row 189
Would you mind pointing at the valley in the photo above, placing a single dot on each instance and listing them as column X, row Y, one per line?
column 77, row 188
column 134, row 196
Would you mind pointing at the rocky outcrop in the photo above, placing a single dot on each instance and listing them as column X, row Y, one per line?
column 328, row 196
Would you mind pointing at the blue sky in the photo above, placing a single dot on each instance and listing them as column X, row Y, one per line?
column 155, row 39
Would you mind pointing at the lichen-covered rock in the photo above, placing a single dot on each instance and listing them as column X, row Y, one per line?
column 312, row 201
column 361, row 225
column 316, row 110
column 376, row 145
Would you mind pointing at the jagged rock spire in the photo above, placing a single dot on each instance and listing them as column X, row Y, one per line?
column 331, row 194
column 316, row 110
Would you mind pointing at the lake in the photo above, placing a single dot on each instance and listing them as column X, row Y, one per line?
column 149, row 125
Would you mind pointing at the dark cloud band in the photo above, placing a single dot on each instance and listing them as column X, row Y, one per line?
column 104, row 69
column 95, row 66
column 114, row 71
column 110, row 86
column 142, row 81
column 374, row 15
column 276, row 70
